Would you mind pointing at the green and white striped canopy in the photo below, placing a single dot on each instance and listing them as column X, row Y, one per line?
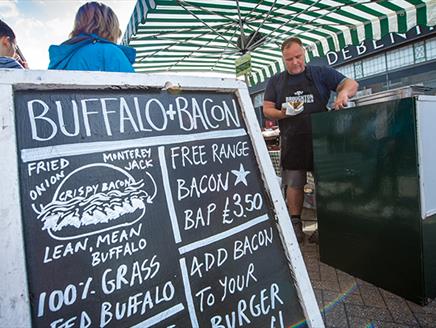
column 209, row 35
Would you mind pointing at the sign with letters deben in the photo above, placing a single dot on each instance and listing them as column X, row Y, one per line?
column 142, row 207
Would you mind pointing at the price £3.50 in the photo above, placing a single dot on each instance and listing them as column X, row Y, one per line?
column 238, row 206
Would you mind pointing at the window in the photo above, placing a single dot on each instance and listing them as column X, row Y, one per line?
column 400, row 57
column 258, row 100
column 374, row 65
column 430, row 48
column 419, row 52
column 358, row 70
column 347, row 70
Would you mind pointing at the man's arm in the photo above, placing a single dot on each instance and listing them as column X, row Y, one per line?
column 269, row 103
column 271, row 112
column 346, row 89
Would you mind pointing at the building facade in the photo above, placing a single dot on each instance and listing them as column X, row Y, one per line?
column 394, row 61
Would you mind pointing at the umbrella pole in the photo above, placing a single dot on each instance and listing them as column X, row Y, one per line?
column 246, row 79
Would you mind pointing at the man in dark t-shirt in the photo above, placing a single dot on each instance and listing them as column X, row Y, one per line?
column 291, row 97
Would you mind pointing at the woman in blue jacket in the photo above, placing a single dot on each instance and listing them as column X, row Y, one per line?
column 92, row 46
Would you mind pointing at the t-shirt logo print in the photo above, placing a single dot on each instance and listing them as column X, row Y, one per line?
column 294, row 105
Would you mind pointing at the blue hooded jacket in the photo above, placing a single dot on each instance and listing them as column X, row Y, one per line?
column 89, row 52
column 8, row 62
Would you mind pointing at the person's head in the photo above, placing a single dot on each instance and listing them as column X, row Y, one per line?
column 97, row 18
column 293, row 55
column 7, row 40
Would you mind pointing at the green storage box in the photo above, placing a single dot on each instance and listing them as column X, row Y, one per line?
column 375, row 170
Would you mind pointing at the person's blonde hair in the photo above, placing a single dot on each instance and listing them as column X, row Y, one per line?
column 97, row 18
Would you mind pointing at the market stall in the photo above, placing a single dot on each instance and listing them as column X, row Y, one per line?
column 376, row 190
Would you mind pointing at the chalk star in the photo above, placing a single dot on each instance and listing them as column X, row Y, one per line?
column 241, row 175
column 171, row 112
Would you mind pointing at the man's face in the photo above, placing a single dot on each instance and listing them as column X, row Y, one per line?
column 7, row 47
column 293, row 57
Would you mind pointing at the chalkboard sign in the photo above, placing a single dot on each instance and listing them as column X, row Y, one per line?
column 146, row 207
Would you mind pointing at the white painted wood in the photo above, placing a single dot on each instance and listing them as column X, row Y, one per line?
column 426, row 118
column 14, row 301
column 287, row 234
column 98, row 80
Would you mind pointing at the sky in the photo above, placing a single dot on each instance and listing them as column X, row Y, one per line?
column 39, row 23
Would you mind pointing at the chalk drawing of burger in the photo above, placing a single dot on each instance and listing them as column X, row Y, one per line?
column 96, row 198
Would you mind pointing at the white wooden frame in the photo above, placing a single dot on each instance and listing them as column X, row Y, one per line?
column 13, row 286
column 425, row 118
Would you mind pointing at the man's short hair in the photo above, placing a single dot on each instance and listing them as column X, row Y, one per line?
column 288, row 42
column 5, row 30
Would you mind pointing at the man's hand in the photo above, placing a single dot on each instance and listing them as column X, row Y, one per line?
column 270, row 111
column 345, row 90
column 341, row 100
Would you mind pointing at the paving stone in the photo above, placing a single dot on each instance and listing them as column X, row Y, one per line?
column 309, row 253
column 309, row 246
column 426, row 320
column 344, row 275
column 400, row 311
column 353, row 298
column 327, row 272
column 371, row 296
column 356, row 322
column 380, row 324
column 316, row 284
column 311, row 261
column 363, row 283
column 312, row 248
column 348, row 285
column 314, row 275
column 319, row 299
column 311, row 258
column 346, row 301
column 326, row 285
column 336, row 317
column 389, row 295
column 330, row 296
column 313, row 264
column 368, row 312
column 430, row 307
column 416, row 308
